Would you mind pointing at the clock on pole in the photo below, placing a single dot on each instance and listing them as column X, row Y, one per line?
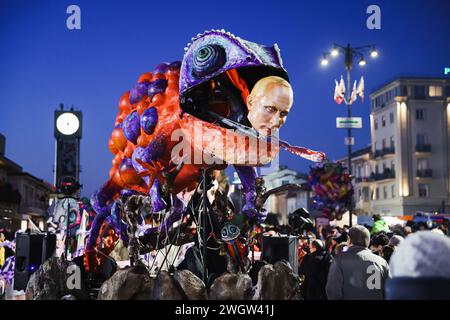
column 67, row 132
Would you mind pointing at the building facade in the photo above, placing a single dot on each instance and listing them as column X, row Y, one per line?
column 23, row 197
column 286, row 202
column 409, row 153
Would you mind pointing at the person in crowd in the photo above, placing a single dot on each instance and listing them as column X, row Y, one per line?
column 379, row 225
column 315, row 268
column 357, row 274
column 330, row 244
column 340, row 247
column 378, row 242
column 408, row 230
column 387, row 252
column 420, row 268
column 395, row 240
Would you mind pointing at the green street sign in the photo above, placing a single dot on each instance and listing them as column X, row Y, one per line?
column 352, row 123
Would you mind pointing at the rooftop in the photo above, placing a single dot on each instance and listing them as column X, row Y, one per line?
column 402, row 76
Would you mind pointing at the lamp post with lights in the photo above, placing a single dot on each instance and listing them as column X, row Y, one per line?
column 350, row 54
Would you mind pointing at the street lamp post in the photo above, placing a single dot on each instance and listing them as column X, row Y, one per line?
column 349, row 54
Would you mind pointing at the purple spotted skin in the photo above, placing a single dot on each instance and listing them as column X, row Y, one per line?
column 161, row 68
column 138, row 91
column 157, row 86
column 125, row 165
column 141, row 154
column 157, row 201
column 175, row 65
column 149, row 119
column 132, row 127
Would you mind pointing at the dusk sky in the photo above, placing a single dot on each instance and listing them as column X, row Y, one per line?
column 43, row 64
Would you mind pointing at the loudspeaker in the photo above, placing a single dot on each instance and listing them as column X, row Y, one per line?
column 278, row 248
column 31, row 251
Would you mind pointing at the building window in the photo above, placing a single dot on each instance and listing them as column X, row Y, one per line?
column 376, row 124
column 393, row 166
column 421, row 139
column 383, row 121
column 377, row 193
column 392, row 142
column 435, row 91
column 283, row 182
column 396, row 91
column 366, row 193
column 385, row 192
column 419, row 92
column 393, row 191
column 420, row 114
column 383, row 143
column 424, row 190
column 391, row 117
column 422, row 164
column 404, row 91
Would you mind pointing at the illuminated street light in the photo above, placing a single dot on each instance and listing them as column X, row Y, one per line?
column 334, row 52
column 350, row 55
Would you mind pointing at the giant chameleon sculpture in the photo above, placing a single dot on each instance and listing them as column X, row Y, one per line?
column 205, row 89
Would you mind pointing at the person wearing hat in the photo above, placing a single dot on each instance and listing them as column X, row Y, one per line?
column 357, row 274
column 315, row 268
column 420, row 268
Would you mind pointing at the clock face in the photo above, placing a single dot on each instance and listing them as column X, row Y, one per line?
column 67, row 123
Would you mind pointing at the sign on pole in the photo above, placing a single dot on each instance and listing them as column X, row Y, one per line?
column 350, row 141
column 352, row 123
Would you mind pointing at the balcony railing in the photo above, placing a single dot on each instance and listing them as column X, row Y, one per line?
column 423, row 147
column 386, row 174
column 363, row 179
column 383, row 152
column 377, row 153
column 390, row 150
column 424, row 173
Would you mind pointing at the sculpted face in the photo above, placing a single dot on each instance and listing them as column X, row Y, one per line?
column 269, row 104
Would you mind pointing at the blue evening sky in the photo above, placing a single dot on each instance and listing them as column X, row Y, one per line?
column 42, row 63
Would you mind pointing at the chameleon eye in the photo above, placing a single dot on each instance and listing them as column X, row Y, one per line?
column 208, row 59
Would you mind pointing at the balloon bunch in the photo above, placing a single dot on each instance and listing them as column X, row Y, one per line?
column 332, row 189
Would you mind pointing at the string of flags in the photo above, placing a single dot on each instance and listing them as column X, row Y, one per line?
column 339, row 91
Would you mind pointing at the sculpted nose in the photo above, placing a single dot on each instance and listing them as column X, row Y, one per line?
column 275, row 122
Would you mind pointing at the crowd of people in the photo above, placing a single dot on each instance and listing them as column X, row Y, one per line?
column 376, row 262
